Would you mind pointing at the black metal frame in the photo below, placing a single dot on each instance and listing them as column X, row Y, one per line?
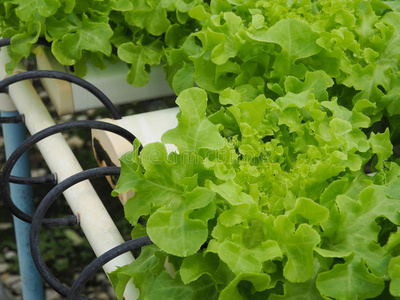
column 37, row 219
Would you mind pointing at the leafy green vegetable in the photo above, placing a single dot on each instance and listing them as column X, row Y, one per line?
column 194, row 131
column 138, row 56
column 90, row 36
column 87, row 30
column 285, row 184
column 287, row 210
column 304, row 102
column 354, row 280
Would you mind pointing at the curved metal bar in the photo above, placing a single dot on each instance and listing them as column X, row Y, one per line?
column 102, row 260
column 62, row 76
column 49, row 178
column 38, row 218
column 8, row 166
column 13, row 120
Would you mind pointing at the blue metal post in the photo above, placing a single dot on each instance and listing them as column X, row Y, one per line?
column 22, row 195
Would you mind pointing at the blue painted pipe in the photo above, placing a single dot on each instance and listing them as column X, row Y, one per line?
column 22, row 195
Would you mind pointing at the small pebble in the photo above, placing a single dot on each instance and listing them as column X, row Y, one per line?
column 10, row 255
column 99, row 296
column 16, row 287
column 11, row 280
column 3, row 267
column 66, row 117
column 101, row 277
column 43, row 94
column 52, row 295
column 5, row 226
column 75, row 141
column 39, row 172
column 82, row 117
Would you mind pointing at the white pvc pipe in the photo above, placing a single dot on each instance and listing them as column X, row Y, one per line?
column 95, row 221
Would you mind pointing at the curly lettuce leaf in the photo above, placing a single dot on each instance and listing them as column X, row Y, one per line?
column 28, row 10
column 174, row 228
column 139, row 56
column 354, row 280
column 394, row 273
column 89, row 36
column 297, row 40
column 150, row 261
column 194, row 130
column 149, row 14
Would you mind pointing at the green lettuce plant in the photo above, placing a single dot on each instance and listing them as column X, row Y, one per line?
column 281, row 208
column 286, row 182
column 96, row 31
column 268, row 196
